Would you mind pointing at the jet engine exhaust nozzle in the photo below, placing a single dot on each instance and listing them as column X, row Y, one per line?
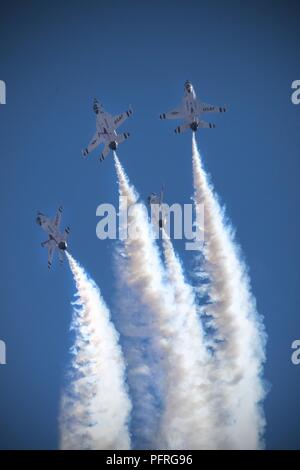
column 194, row 126
column 62, row 246
column 113, row 145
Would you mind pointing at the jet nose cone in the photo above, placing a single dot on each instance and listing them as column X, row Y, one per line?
column 96, row 106
column 188, row 86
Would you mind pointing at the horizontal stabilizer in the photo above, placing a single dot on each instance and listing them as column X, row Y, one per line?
column 121, row 137
column 66, row 233
column 206, row 125
column 182, row 128
column 105, row 152
column 118, row 120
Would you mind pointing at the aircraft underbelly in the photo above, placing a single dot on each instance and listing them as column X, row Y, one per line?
column 191, row 109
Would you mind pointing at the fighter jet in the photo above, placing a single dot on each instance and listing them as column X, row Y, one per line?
column 190, row 111
column 106, row 126
column 155, row 198
column 57, row 240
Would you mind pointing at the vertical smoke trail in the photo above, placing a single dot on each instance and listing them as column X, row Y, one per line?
column 197, row 426
column 144, row 302
column 239, row 345
column 95, row 407
column 169, row 351
column 139, row 337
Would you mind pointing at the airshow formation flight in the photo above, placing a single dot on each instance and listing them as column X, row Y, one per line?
column 57, row 240
column 106, row 127
column 189, row 112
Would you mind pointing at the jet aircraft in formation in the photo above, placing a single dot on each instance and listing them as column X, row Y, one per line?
column 57, row 240
column 155, row 198
column 106, row 127
column 189, row 111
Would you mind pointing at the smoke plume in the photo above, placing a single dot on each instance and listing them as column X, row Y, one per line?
column 239, row 338
column 95, row 406
column 166, row 358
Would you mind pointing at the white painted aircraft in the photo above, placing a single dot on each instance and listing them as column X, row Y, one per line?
column 57, row 240
column 190, row 111
column 155, row 198
column 106, row 126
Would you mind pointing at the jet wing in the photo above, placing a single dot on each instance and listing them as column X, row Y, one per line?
column 118, row 120
column 96, row 140
column 174, row 114
column 210, row 108
column 57, row 218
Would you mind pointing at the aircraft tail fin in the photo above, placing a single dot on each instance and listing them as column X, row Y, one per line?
column 66, row 233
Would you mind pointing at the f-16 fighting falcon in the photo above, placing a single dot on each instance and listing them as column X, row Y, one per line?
column 106, row 126
column 57, row 240
column 155, row 198
column 190, row 111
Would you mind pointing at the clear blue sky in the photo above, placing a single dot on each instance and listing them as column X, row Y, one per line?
column 55, row 57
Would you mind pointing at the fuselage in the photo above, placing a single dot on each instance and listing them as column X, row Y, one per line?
column 105, row 126
column 190, row 102
column 190, row 105
column 190, row 111
column 54, row 234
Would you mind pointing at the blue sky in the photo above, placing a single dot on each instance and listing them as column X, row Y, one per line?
column 55, row 58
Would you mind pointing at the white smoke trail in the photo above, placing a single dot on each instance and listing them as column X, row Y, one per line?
column 95, row 407
column 193, row 425
column 138, row 336
column 240, row 341
column 175, row 367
